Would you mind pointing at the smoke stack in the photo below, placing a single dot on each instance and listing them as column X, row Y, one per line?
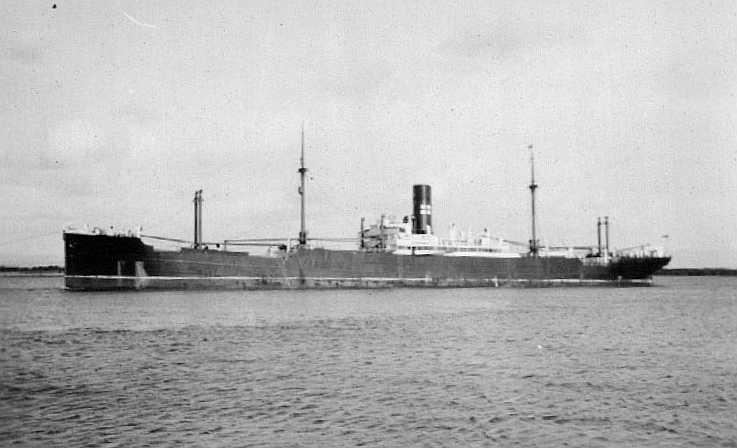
column 422, row 209
column 598, row 234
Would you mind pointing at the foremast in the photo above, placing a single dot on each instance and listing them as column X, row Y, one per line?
column 533, row 186
column 302, row 171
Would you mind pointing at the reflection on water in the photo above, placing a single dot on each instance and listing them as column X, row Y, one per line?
column 578, row 366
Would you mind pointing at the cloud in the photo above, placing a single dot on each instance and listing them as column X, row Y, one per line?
column 701, row 73
column 356, row 77
column 499, row 44
column 131, row 112
column 510, row 39
column 24, row 53
column 138, row 22
column 73, row 142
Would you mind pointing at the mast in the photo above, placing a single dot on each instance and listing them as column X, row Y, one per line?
column 363, row 244
column 197, row 219
column 606, row 229
column 533, row 187
column 302, row 170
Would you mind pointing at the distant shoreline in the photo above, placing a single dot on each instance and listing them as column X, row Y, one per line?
column 32, row 270
column 5, row 274
column 721, row 272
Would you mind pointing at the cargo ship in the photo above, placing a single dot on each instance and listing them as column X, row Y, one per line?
column 391, row 253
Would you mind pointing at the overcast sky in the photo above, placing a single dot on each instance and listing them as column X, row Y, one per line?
column 114, row 113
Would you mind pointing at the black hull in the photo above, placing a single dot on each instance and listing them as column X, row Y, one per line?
column 100, row 262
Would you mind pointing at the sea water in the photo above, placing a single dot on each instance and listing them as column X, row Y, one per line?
column 651, row 366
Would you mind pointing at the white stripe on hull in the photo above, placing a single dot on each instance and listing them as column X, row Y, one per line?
column 100, row 282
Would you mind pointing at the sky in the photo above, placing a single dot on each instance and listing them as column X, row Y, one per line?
column 115, row 112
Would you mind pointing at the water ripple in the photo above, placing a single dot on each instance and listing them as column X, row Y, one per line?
column 581, row 367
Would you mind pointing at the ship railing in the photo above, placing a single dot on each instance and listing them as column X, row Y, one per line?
column 641, row 251
column 647, row 253
column 110, row 231
column 448, row 248
column 289, row 243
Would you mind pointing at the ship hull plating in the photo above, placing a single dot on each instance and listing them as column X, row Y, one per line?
column 100, row 262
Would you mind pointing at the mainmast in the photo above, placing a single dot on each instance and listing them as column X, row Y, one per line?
column 533, row 187
column 302, row 170
column 198, row 219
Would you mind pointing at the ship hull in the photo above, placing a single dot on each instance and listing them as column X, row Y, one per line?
column 101, row 262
